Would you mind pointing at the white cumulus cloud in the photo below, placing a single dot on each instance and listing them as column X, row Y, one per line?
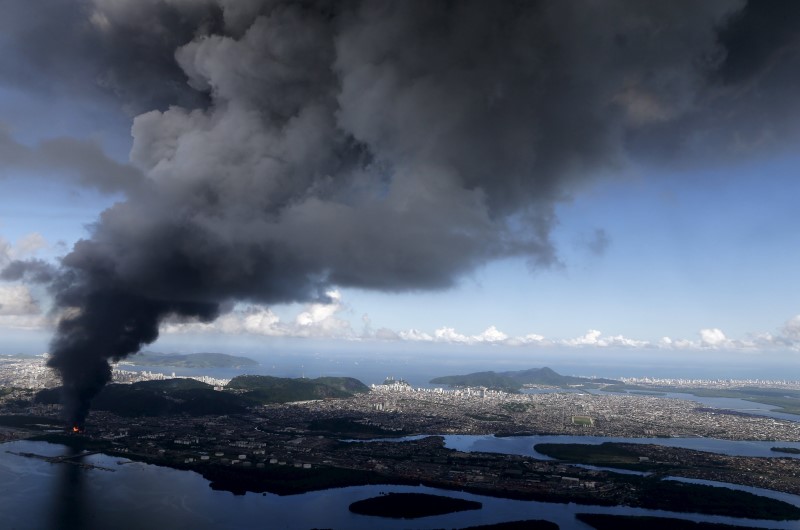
column 791, row 330
column 318, row 320
column 491, row 334
column 595, row 338
column 591, row 338
column 450, row 335
column 17, row 300
column 713, row 338
column 325, row 321
column 415, row 335
column 19, row 309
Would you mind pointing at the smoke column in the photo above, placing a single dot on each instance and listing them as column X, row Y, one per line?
column 281, row 148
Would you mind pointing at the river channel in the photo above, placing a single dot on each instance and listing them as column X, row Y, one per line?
column 35, row 494
column 523, row 445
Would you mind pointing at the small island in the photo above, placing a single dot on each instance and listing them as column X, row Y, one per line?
column 411, row 505
column 190, row 360
column 515, row 380
column 787, row 450
column 607, row 454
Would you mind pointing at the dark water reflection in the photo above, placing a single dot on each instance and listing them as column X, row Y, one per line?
column 70, row 510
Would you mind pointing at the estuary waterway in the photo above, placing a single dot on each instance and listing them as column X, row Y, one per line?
column 35, row 494
column 732, row 404
column 523, row 445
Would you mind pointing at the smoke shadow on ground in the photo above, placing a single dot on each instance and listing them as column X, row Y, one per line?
column 70, row 509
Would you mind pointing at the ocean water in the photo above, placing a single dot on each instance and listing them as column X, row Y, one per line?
column 419, row 366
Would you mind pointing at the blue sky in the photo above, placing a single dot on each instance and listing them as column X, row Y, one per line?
column 721, row 252
column 694, row 252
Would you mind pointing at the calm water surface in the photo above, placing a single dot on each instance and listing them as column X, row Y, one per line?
column 523, row 445
column 734, row 404
column 35, row 494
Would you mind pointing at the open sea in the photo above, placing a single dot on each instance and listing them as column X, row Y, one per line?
column 371, row 364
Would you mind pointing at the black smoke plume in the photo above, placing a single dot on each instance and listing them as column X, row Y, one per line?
column 383, row 145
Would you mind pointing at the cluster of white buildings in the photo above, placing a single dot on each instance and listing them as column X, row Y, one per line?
column 403, row 387
column 27, row 372
column 129, row 376
column 712, row 383
column 33, row 373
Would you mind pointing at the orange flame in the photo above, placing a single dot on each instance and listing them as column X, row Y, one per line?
column 76, row 429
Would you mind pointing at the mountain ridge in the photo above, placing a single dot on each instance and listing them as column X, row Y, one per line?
column 513, row 381
column 190, row 360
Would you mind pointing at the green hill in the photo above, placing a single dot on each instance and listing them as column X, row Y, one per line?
column 491, row 380
column 191, row 360
column 194, row 398
column 267, row 389
column 548, row 376
column 170, row 385
column 160, row 398
column 513, row 381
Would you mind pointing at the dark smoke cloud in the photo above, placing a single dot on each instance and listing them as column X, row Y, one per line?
column 599, row 242
column 382, row 145
column 101, row 48
column 747, row 104
column 758, row 38
column 79, row 160
column 32, row 270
